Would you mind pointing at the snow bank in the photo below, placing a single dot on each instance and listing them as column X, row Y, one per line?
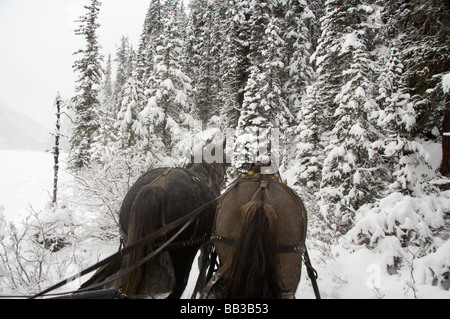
column 402, row 216
column 434, row 268
column 356, row 272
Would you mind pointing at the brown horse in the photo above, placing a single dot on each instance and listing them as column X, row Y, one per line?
column 259, row 235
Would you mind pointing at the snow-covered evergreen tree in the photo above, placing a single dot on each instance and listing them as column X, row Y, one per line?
column 86, row 103
column 296, row 31
column 397, row 118
column 327, row 61
column 253, row 132
column 426, row 56
column 297, row 52
column 203, row 63
column 168, row 111
column 235, row 33
column 137, row 144
column 107, row 87
column 265, row 105
column 152, row 29
column 306, row 164
column 124, row 59
column 352, row 167
column 106, row 117
column 132, row 131
column 270, row 55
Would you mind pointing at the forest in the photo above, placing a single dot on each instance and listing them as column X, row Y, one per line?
column 345, row 96
column 348, row 86
column 351, row 88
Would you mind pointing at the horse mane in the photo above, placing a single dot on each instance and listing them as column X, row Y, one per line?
column 253, row 272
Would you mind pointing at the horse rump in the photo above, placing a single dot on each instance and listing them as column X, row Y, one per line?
column 253, row 272
column 145, row 218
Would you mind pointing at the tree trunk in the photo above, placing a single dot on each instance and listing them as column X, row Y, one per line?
column 56, row 148
column 445, row 165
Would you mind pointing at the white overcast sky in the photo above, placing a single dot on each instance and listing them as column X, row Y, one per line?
column 37, row 42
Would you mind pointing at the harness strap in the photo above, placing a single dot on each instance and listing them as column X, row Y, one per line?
column 312, row 273
column 187, row 243
column 215, row 278
column 164, row 174
column 197, row 182
column 284, row 249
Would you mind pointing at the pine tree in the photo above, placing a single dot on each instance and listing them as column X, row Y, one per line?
column 397, row 118
column 152, row 29
column 348, row 171
column 308, row 152
column 235, row 61
column 107, row 111
column 124, row 59
column 86, row 103
column 269, row 52
column 352, row 168
column 265, row 107
column 132, row 132
column 107, row 87
column 298, row 24
column 253, row 131
column 203, row 65
column 327, row 59
column 426, row 57
column 168, row 89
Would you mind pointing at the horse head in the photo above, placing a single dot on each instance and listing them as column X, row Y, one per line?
column 212, row 160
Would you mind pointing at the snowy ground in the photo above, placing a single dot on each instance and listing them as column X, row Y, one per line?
column 345, row 271
column 26, row 187
column 26, row 178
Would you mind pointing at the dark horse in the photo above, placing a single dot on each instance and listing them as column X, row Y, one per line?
column 158, row 198
column 259, row 234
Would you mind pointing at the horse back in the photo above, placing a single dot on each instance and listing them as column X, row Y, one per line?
column 290, row 229
column 186, row 191
column 292, row 219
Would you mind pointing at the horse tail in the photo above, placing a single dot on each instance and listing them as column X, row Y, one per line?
column 145, row 218
column 253, row 272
